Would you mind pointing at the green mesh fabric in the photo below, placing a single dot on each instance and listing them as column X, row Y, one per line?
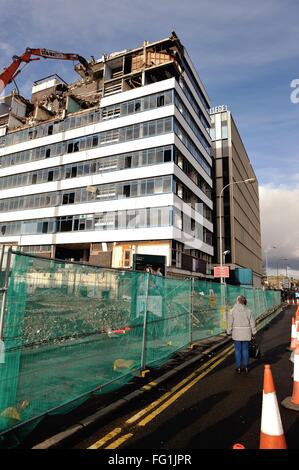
column 72, row 330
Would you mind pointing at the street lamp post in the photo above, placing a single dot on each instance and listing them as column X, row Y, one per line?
column 266, row 251
column 249, row 180
column 222, row 280
column 286, row 259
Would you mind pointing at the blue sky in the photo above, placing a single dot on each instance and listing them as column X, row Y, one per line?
column 246, row 54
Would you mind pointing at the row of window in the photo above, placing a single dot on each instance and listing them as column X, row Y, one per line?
column 190, row 198
column 194, row 103
column 137, row 159
column 191, row 226
column 138, row 105
column 183, row 136
column 224, row 131
column 127, row 219
column 145, row 103
column 196, row 87
column 193, row 174
column 114, row 136
column 116, row 220
column 97, row 115
column 35, row 248
column 188, row 117
column 104, row 192
column 123, row 134
column 101, row 165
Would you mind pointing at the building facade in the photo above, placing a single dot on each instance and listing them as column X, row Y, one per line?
column 116, row 164
column 240, row 214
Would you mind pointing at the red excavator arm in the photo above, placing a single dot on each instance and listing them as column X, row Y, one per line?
column 12, row 70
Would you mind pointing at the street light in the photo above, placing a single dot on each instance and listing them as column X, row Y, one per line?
column 286, row 259
column 249, row 180
column 266, row 251
column 226, row 252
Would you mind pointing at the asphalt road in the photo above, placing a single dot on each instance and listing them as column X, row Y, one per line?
column 215, row 409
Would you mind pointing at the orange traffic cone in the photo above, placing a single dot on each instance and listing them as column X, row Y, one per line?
column 238, row 446
column 272, row 435
column 293, row 402
column 293, row 344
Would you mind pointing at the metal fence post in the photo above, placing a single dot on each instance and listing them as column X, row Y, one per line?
column 2, row 256
column 143, row 353
column 4, row 291
column 191, row 309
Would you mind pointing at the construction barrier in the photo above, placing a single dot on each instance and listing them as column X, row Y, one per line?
column 73, row 330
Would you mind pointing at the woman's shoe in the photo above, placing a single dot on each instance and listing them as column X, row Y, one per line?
column 246, row 370
column 238, row 370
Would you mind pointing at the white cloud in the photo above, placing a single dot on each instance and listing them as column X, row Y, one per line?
column 280, row 224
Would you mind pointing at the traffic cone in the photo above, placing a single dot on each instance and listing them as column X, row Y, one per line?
column 238, row 446
column 272, row 435
column 293, row 344
column 293, row 402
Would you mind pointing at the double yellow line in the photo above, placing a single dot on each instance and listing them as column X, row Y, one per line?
column 120, row 435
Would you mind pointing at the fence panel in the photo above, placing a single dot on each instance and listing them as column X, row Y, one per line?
column 71, row 330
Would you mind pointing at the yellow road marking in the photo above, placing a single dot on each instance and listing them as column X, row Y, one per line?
column 149, row 386
column 155, row 403
column 106, row 438
column 164, row 397
column 119, row 441
column 165, row 405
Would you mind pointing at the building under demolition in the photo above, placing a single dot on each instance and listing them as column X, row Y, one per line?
column 114, row 165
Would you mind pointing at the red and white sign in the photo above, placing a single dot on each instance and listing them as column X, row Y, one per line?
column 221, row 271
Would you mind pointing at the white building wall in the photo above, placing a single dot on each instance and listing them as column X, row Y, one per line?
column 153, row 233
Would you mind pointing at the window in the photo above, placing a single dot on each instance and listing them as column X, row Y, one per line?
column 158, row 185
column 50, row 129
column 50, row 175
column 128, row 162
column 68, row 198
column 127, row 258
column 48, row 153
column 167, row 155
column 34, row 178
column 160, row 100
column 127, row 190
column 66, row 224
column 137, row 106
column 151, row 187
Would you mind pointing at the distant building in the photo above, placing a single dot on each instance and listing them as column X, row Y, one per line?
column 240, row 218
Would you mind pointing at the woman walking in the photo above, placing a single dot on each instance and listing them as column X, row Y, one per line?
column 241, row 325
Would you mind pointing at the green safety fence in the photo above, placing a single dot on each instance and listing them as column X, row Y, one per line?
column 73, row 330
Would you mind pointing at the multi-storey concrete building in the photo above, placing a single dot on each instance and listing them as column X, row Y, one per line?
column 116, row 164
column 240, row 214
